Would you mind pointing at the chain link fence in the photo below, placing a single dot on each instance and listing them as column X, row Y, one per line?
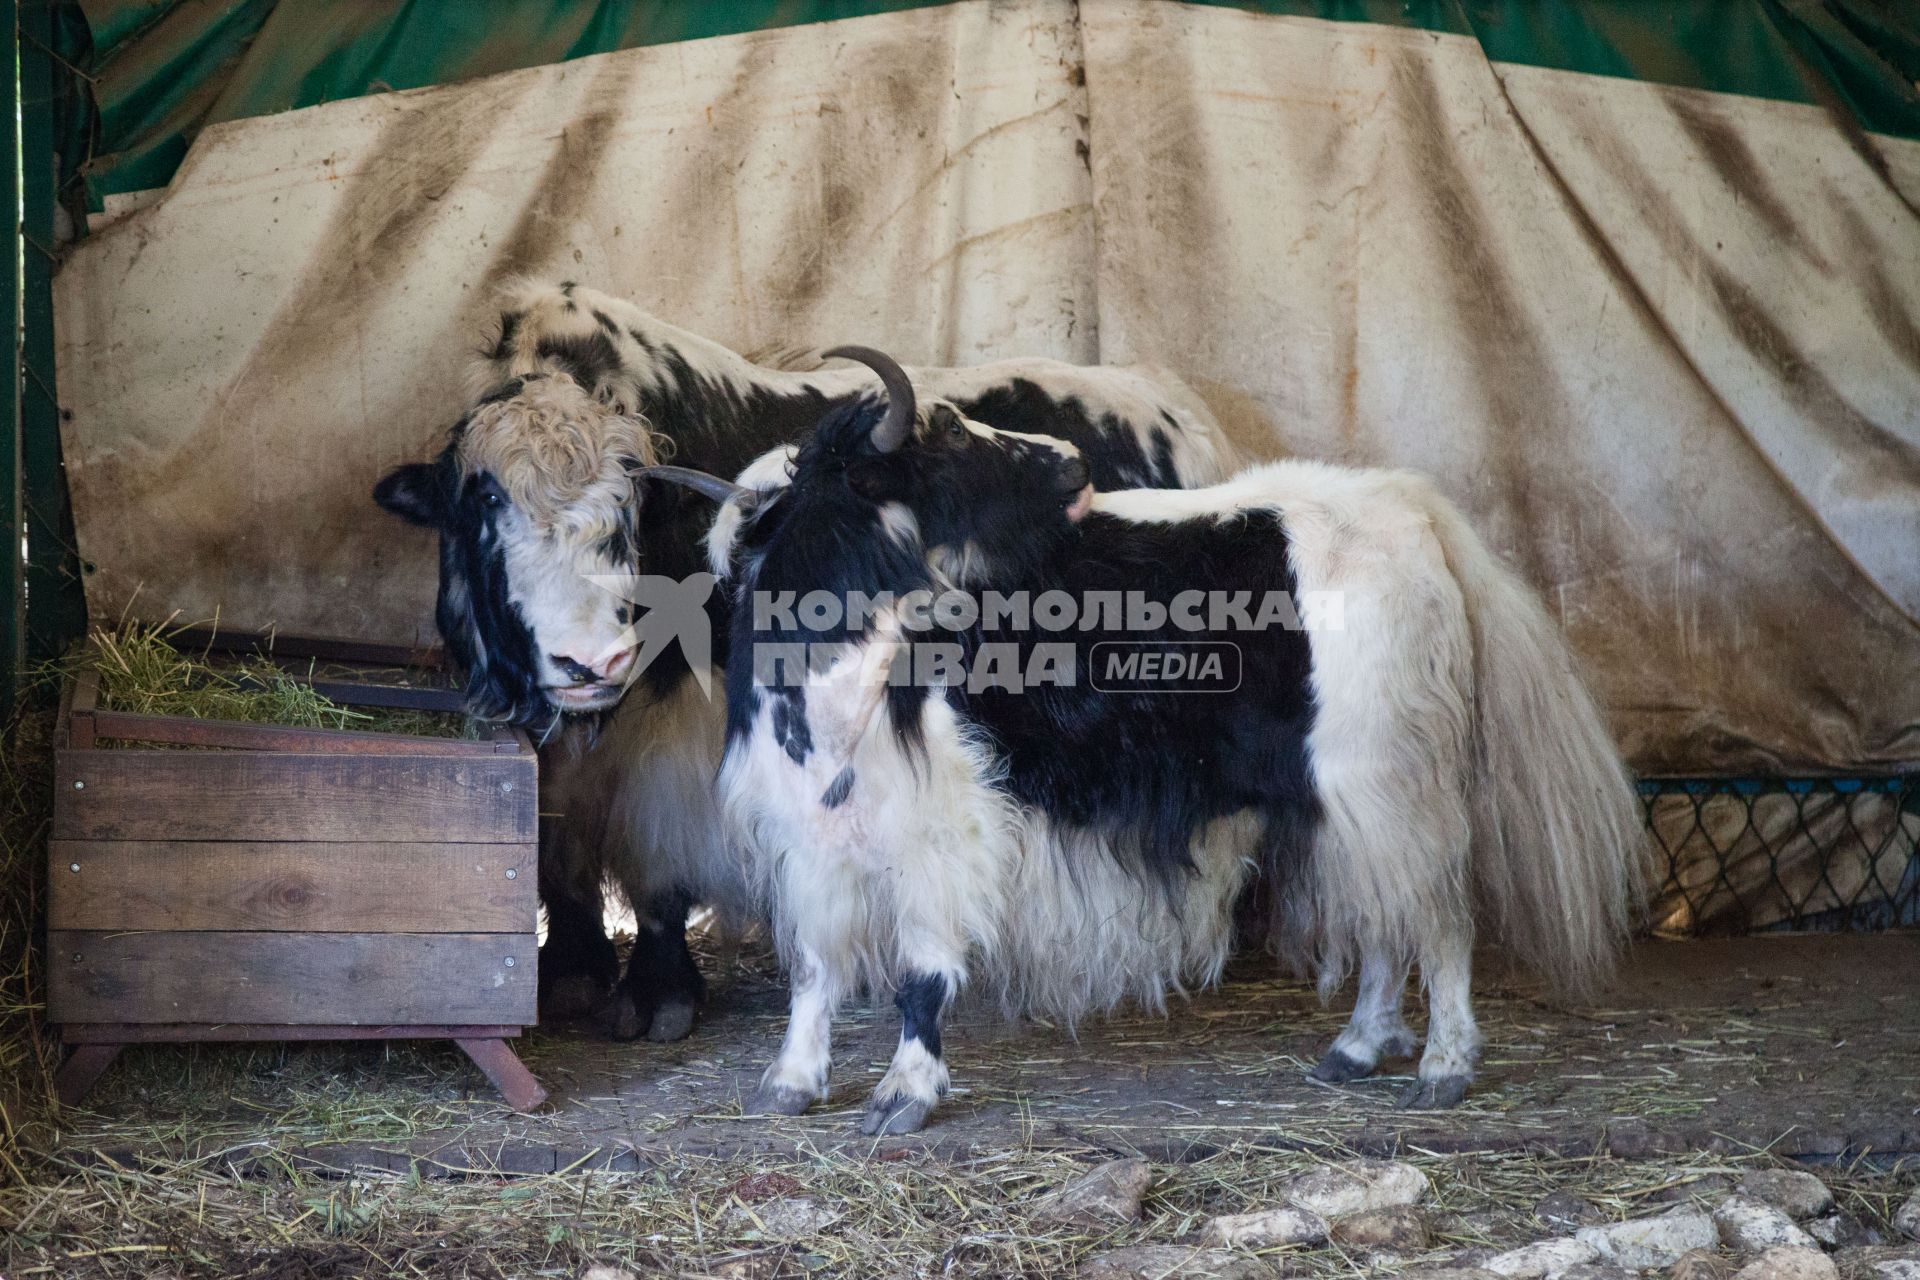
column 1761, row 855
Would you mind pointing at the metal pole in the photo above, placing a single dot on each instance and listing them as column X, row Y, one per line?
column 12, row 586
column 56, row 611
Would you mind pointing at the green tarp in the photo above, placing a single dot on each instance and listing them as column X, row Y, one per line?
column 162, row 70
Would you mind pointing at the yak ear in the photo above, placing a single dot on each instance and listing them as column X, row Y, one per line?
column 412, row 492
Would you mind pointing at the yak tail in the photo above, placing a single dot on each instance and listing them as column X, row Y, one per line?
column 1559, row 866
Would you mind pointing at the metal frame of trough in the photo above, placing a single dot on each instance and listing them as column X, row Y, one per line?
column 285, row 883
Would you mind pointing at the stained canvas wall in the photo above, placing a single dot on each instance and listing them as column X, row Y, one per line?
column 1660, row 342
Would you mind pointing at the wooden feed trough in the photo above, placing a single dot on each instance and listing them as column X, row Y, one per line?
column 278, row 883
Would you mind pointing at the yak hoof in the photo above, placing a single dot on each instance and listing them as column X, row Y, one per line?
column 1340, row 1068
column 779, row 1100
column 1436, row 1094
column 624, row 1020
column 671, row 1022
column 902, row 1113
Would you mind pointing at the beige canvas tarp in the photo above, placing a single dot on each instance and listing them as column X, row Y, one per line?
column 1660, row 343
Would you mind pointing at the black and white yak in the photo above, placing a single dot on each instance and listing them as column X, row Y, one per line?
column 533, row 501
column 1430, row 764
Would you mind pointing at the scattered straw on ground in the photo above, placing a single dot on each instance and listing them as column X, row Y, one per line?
column 797, row 1214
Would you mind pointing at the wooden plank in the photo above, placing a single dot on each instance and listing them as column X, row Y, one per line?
column 83, row 1067
column 246, row 735
column 347, row 887
column 240, row 1032
column 509, row 1075
column 406, row 697
column 77, row 703
column 301, row 978
column 245, row 795
column 319, row 648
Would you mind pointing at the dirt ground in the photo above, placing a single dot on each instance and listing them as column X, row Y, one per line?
column 1709, row 1060
column 1803, row 1047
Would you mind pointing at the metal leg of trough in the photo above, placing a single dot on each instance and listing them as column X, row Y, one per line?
column 509, row 1075
column 83, row 1067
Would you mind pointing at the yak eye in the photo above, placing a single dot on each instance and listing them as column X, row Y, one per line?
column 956, row 430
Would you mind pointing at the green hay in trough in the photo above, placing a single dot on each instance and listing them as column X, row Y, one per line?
column 142, row 671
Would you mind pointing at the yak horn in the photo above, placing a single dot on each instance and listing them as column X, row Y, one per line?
column 898, row 424
column 698, row 481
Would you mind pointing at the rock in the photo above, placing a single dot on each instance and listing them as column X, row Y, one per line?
column 604, row 1272
column 1897, row 1269
column 1906, row 1219
column 1598, row 1271
column 1154, row 1261
column 1793, row 1192
column 1652, row 1242
column 1789, row 1263
column 1265, row 1229
column 1842, row 1231
column 1546, row 1259
column 1335, row 1191
column 787, row 1218
column 1889, row 1262
column 1699, row 1264
column 1454, row 1272
column 1399, row 1227
column 1103, row 1196
column 1747, row 1225
column 1565, row 1211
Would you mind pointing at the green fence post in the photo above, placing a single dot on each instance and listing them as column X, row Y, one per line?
column 12, row 588
column 56, row 609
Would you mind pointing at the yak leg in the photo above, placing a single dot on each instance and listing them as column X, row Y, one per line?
column 663, row 988
column 1453, row 1039
column 916, row 1079
column 1376, row 1030
column 798, row 1077
column 577, row 962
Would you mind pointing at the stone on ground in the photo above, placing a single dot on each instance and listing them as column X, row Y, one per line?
column 1842, row 1231
column 1154, row 1261
column 1598, row 1271
column 1652, row 1242
column 1543, row 1261
column 1401, row 1228
column 1103, row 1196
column 1747, row 1225
column 1565, row 1211
column 1794, row 1192
column 1878, row 1262
column 1789, row 1263
column 1355, row 1186
column 785, row 1218
column 1906, row 1219
column 1265, row 1229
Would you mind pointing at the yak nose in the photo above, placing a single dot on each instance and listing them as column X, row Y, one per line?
column 1073, row 475
column 607, row 670
column 616, row 664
